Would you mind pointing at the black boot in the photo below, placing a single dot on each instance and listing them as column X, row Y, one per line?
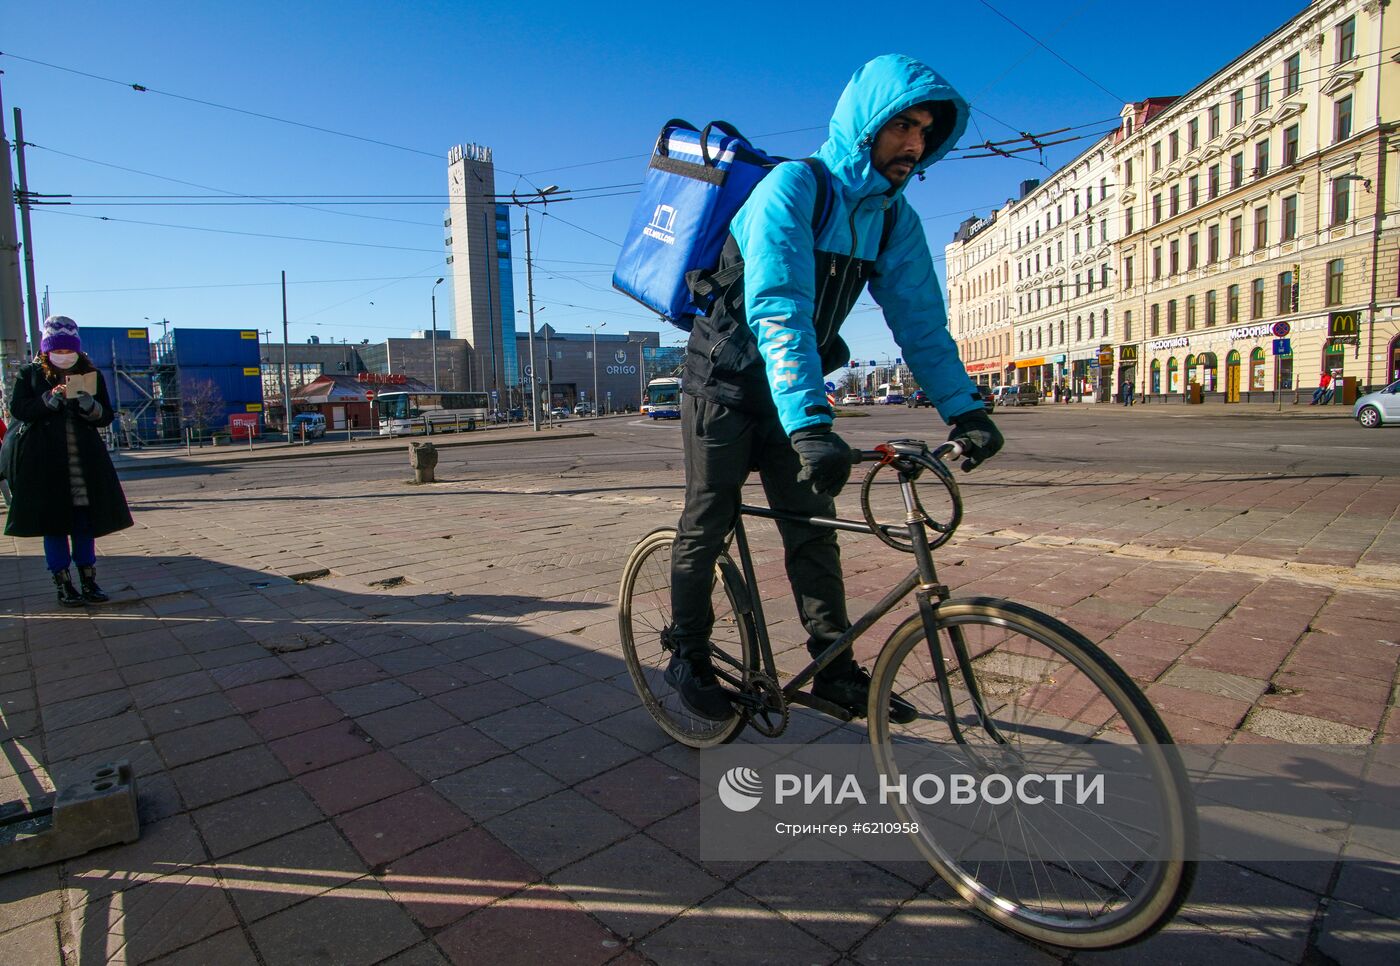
column 68, row 595
column 91, row 592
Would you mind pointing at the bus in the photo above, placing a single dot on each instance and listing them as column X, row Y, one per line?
column 664, row 398
column 425, row 413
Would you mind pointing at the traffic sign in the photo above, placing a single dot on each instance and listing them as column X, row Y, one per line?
column 1281, row 329
column 1283, row 347
column 369, row 395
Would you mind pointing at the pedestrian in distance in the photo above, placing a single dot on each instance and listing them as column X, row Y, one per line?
column 1323, row 393
column 757, row 399
column 64, row 487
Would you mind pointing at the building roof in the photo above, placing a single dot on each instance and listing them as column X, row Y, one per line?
column 338, row 387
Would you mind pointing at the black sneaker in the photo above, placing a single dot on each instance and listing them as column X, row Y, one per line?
column 851, row 690
column 694, row 680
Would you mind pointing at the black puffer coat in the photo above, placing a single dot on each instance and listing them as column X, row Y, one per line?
column 42, row 503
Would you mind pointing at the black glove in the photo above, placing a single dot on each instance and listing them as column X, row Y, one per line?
column 826, row 459
column 86, row 403
column 978, row 436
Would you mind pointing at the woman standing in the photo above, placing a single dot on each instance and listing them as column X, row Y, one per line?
column 64, row 487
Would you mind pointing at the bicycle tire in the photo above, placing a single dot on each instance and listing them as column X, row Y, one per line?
column 643, row 613
column 1073, row 658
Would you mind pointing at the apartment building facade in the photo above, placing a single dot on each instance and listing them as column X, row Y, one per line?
column 1255, row 247
column 1061, row 237
column 979, row 301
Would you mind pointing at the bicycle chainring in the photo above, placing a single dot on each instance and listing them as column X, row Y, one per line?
column 770, row 717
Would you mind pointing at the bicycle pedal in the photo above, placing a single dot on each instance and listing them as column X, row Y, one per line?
column 826, row 707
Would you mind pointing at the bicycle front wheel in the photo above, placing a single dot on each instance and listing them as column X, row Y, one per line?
column 644, row 621
column 1033, row 697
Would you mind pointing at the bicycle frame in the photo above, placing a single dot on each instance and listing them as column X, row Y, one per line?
column 922, row 581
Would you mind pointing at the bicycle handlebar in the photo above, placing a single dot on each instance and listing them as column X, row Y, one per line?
column 909, row 458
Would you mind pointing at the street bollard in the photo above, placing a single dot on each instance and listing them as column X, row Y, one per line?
column 423, row 458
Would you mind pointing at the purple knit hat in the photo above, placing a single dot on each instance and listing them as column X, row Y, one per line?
column 61, row 334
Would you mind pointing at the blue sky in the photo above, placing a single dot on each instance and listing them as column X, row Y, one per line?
column 558, row 90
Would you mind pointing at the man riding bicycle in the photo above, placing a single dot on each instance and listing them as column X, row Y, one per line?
column 755, row 395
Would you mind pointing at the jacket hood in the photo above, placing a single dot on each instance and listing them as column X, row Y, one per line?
column 876, row 93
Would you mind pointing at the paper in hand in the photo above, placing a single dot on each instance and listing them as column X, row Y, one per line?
column 81, row 382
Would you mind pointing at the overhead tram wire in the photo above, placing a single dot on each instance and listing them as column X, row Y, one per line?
column 145, row 89
column 1048, row 49
column 228, row 231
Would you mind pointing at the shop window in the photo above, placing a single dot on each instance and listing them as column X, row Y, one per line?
column 1208, row 366
column 1188, row 372
column 1156, row 376
column 1173, row 376
column 1256, row 370
column 1285, row 372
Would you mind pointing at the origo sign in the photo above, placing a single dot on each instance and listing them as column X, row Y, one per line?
column 1344, row 327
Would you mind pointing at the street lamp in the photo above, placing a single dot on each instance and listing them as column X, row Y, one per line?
column 435, row 369
column 534, row 372
column 594, row 330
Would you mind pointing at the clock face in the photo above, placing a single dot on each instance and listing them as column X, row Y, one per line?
column 456, row 175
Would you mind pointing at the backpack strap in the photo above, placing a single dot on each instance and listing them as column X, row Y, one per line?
column 822, row 209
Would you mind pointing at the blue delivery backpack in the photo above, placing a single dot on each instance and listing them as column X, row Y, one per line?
column 696, row 182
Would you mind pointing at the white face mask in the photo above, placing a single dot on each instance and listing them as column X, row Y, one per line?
column 63, row 360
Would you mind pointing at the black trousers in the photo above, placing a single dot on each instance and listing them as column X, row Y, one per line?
column 722, row 446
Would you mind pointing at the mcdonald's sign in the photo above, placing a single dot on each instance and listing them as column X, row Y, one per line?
column 1344, row 327
column 1127, row 353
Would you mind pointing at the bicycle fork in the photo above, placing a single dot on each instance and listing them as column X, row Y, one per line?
column 930, row 594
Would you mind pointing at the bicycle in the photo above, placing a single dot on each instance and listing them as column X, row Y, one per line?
column 1004, row 682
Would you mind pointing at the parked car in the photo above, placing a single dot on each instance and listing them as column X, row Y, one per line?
column 850, row 399
column 1023, row 395
column 583, row 409
column 1376, row 409
column 989, row 398
column 892, row 399
column 916, row 399
column 560, row 412
column 313, row 425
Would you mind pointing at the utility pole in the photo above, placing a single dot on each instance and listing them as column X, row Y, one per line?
column 433, row 295
column 28, row 236
column 11, row 304
column 286, row 368
column 530, row 298
column 594, row 330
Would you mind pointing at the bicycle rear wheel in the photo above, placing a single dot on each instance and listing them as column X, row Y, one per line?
column 644, row 618
column 1040, row 697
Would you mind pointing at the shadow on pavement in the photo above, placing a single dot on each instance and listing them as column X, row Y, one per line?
column 332, row 774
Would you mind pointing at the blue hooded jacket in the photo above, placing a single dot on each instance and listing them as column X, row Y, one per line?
column 773, row 230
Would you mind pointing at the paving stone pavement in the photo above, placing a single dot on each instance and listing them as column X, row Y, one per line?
column 388, row 724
